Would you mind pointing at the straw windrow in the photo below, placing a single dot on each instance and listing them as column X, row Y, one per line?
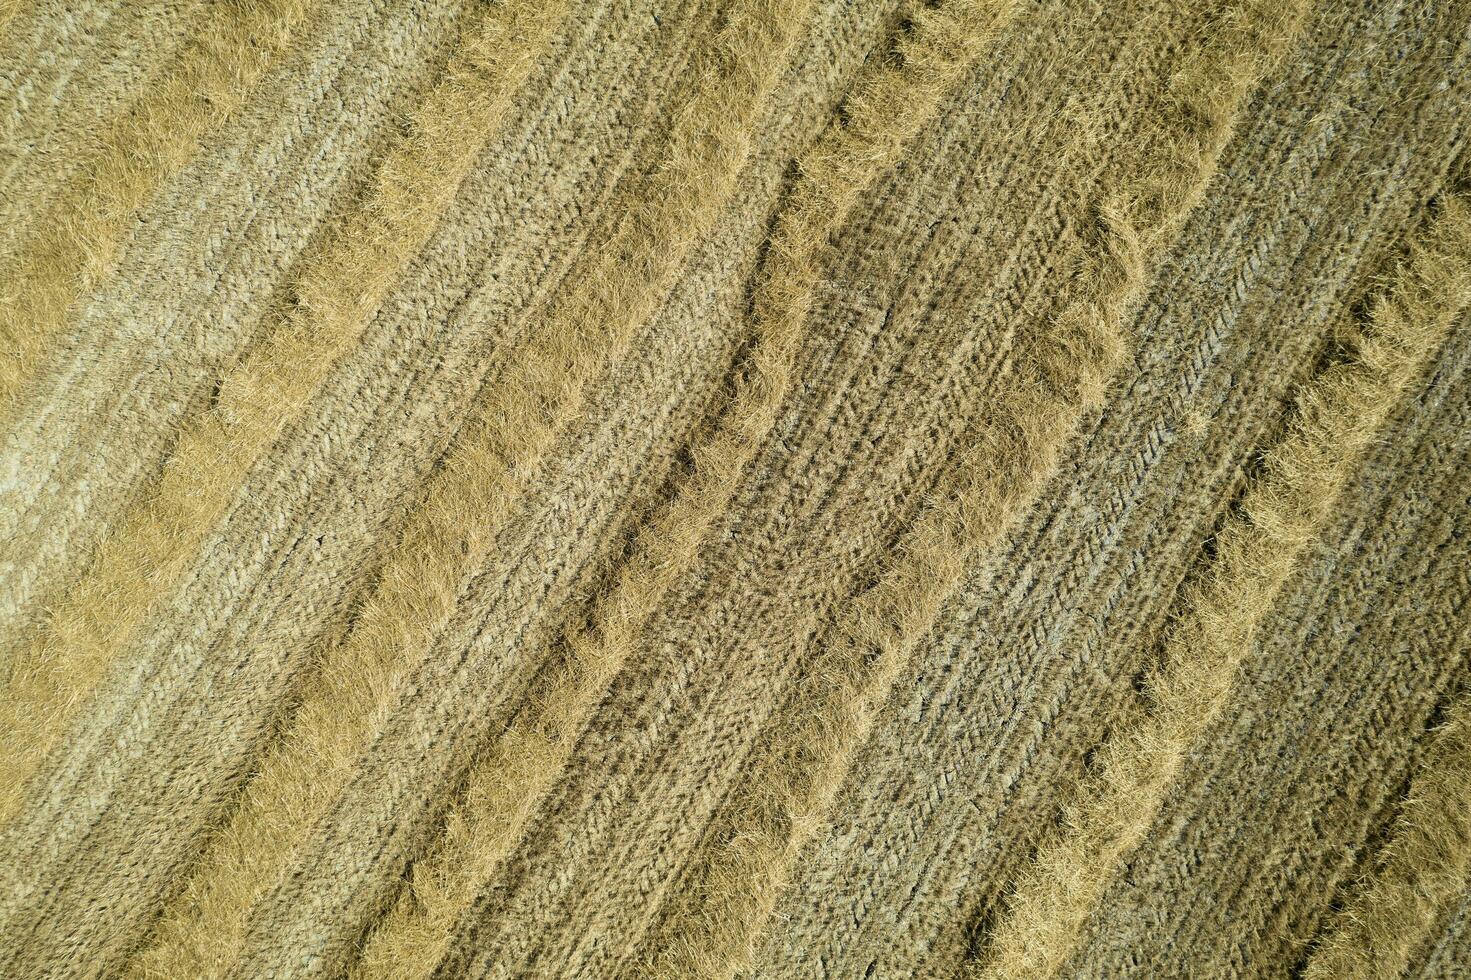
column 73, row 242
column 712, row 926
column 1423, row 869
column 511, row 488
column 663, row 215
column 1338, row 416
column 888, row 107
column 337, row 293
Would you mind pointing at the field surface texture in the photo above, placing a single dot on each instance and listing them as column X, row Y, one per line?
column 834, row 489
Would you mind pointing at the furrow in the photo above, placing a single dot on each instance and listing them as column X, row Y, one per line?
column 1337, row 416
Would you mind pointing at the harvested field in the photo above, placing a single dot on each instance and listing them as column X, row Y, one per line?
column 757, row 488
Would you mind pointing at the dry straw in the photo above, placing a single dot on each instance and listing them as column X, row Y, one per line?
column 887, row 108
column 351, row 693
column 337, row 294
column 72, row 244
column 1282, row 512
column 1139, row 190
column 1422, row 871
column 712, row 929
